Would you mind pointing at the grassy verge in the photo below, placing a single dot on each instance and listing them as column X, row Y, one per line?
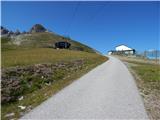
column 62, row 77
column 147, row 76
column 42, row 55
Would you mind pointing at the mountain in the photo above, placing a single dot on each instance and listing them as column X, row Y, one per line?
column 39, row 37
column 38, row 28
column 4, row 30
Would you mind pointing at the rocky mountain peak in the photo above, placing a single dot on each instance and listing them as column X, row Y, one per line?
column 38, row 28
column 4, row 30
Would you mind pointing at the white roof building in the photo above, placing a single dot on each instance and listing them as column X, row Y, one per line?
column 123, row 48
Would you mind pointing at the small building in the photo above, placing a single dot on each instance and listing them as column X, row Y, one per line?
column 109, row 52
column 125, row 49
column 62, row 45
column 122, row 50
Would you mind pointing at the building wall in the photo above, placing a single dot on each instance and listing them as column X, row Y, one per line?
column 109, row 53
column 129, row 52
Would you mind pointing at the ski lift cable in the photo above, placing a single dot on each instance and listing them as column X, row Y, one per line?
column 93, row 17
column 99, row 10
column 72, row 18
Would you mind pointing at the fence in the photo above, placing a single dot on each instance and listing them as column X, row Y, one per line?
column 154, row 55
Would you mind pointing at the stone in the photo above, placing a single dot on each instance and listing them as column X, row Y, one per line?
column 9, row 114
column 21, row 98
column 22, row 107
column 48, row 84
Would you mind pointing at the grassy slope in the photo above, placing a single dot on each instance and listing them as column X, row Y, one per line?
column 40, row 40
column 32, row 56
column 37, row 48
column 42, row 55
column 147, row 74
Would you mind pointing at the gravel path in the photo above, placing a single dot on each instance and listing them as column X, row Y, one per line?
column 106, row 92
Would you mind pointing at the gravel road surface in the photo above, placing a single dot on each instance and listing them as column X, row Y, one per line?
column 107, row 92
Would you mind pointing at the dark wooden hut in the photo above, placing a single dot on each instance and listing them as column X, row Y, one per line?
column 62, row 45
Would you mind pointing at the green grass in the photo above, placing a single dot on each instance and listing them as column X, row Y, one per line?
column 149, row 73
column 40, row 40
column 7, row 45
column 5, row 40
column 63, row 78
column 42, row 55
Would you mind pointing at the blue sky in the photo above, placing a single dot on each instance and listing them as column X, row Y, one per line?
column 101, row 25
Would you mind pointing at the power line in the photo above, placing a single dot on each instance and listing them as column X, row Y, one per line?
column 99, row 10
column 72, row 19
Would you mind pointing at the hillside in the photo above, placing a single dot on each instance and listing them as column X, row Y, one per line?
column 33, row 70
column 33, row 56
column 42, row 39
column 38, row 73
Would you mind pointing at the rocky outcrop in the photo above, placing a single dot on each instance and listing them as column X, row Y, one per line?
column 17, row 32
column 38, row 28
column 4, row 31
column 17, row 81
column 7, row 33
column 34, row 29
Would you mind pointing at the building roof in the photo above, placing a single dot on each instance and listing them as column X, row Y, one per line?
column 122, row 47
